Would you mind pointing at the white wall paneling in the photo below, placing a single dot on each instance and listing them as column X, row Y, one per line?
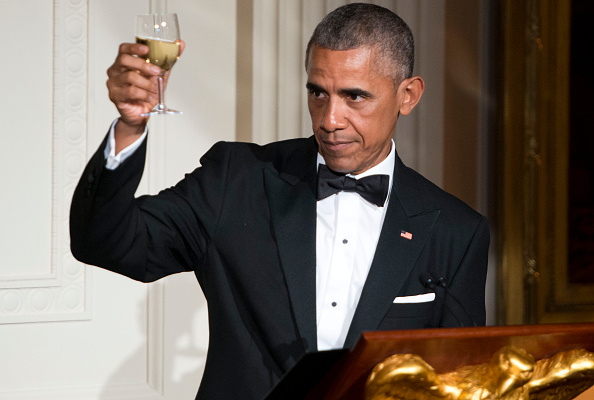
column 45, row 121
column 265, row 71
column 143, row 341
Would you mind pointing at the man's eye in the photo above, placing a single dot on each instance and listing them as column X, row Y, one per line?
column 316, row 93
column 356, row 97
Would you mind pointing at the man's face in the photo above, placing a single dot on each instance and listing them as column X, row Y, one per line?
column 353, row 108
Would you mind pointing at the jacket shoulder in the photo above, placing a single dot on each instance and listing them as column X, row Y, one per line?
column 282, row 155
column 426, row 195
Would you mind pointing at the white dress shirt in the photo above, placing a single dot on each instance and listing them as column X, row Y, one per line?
column 347, row 232
column 112, row 160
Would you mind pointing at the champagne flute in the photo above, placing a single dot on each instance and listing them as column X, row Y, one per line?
column 160, row 32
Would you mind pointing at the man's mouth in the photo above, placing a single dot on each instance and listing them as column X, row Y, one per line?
column 336, row 145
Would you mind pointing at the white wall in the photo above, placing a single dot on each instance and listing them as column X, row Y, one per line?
column 73, row 332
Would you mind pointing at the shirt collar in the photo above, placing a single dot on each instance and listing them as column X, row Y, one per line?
column 386, row 167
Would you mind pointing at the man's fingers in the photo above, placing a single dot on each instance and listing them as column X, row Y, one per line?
column 146, row 91
column 130, row 58
column 136, row 49
column 127, row 62
column 132, row 95
column 133, row 78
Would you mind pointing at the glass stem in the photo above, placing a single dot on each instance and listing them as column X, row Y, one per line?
column 161, row 105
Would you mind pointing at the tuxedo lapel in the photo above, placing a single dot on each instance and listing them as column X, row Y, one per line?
column 292, row 201
column 395, row 255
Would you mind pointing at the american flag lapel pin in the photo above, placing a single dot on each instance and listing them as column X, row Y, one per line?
column 406, row 235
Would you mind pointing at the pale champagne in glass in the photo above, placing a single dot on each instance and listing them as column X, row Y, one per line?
column 160, row 32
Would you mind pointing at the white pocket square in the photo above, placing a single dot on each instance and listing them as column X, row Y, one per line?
column 419, row 298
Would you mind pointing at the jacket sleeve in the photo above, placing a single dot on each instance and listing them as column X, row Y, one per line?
column 148, row 237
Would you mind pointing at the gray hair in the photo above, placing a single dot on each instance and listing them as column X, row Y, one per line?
column 359, row 25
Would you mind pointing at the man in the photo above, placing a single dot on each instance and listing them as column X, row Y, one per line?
column 288, row 268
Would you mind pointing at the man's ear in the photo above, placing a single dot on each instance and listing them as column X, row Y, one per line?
column 411, row 90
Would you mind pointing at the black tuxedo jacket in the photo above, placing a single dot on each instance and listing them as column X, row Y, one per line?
column 245, row 223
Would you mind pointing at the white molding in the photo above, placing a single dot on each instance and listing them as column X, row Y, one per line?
column 113, row 392
column 63, row 293
column 156, row 178
column 281, row 32
column 157, row 6
column 291, row 81
column 312, row 13
column 265, row 72
column 156, row 337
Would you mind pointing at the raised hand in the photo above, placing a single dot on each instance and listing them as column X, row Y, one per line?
column 132, row 86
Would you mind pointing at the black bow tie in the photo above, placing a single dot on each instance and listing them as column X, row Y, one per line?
column 373, row 188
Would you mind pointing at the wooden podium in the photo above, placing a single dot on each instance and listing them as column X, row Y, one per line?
column 342, row 375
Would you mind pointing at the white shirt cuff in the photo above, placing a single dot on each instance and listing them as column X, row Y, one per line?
column 112, row 160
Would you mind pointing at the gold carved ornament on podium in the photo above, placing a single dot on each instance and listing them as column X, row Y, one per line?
column 512, row 374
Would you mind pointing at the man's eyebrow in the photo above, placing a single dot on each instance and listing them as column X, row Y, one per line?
column 314, row 88
column 355, row 92
column 345, row 92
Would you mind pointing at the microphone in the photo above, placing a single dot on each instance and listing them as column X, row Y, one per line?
column 434, row 284
column 428, row 281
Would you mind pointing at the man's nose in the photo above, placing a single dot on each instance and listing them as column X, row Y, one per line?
column 334, row 117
